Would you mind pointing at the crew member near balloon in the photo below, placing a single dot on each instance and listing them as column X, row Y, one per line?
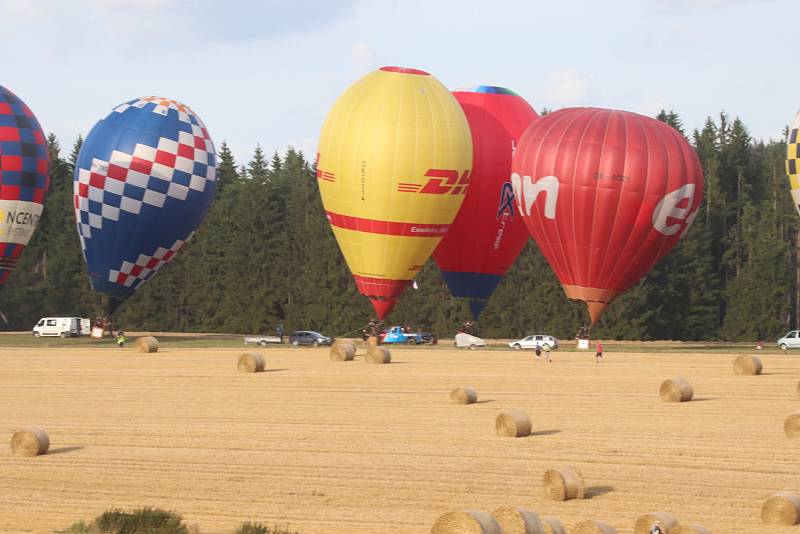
column 605, row 195
column 599, row 354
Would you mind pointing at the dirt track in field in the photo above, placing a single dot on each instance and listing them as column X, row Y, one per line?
column 355, row 448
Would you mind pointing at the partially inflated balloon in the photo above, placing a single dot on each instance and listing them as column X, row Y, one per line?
column 393, row 168
column 793, row 160
column 23, row 178
column 144, row 179
column 487, row 235
column 605, row 194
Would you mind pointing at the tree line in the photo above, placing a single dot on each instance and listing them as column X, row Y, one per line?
column 265, row 255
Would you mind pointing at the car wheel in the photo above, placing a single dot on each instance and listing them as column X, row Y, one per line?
column 295, row 343
column 784, row 346
column 411, row 342
column 316, row 343
column 262, row 343
column 473, row 347
column 63, row 334
column 517, row 346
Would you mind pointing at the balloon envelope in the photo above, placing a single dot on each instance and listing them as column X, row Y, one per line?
column 144, row 179
column 487, row 235
column 605, row 194
column 393, row 168
column 793, row 160
column 23, row 178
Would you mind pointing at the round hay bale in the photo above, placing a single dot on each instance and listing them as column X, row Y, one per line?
column 251, row 362
column 515, row 520
column 646, row 521
column 377, row 354
column 563, row 484
column 747, row 365
column 372, row 341
column 463, row 396
column 782, row 508
column 798, row 389
column 466, row 522
column 147, row 344
column 792, row 425
column 343, row 351
column 513, row 424
column 30, row 441
column 552, row 525
column 690, row 529
column 676, row 390
column 590, row 526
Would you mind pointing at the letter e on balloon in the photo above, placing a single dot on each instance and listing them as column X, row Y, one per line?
column 668, row 208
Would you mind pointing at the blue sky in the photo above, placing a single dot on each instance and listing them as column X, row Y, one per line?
column 267, row 71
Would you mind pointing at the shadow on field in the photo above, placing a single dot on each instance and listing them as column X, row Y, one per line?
column 697, row 399
column 594, row 491
column 65, row 449
column 484, row 401
column 545, row 432
column 274, row 370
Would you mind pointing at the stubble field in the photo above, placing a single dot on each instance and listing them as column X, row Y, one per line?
column 335, row 447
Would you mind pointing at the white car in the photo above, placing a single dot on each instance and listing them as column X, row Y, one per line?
column 531, row 342
column 790, row 340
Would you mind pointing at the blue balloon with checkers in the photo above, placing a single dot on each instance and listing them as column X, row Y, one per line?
column 144, row 180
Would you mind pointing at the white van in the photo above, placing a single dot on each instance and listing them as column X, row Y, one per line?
column 790, row 341
column 59, row 326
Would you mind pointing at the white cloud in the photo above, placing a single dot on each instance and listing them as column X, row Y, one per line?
column 567, row 87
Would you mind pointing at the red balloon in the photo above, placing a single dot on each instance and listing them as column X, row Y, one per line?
column 487, row 234
column 605, row 194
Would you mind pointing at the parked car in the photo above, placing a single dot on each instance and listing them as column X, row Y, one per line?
column 404, row 335
column 262, row 341
column 790, row 340
column 531, row 342
column 61, row 326
column 309, row 337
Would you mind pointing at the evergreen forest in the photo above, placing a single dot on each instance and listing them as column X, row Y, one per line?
column 265, row 255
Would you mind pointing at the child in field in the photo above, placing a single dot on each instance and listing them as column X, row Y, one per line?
column 546, row 348
column 538, row 351
column 599, row 355
column 120, row 339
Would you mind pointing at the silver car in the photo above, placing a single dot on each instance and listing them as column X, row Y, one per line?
column 531, row 342
column 790, row 340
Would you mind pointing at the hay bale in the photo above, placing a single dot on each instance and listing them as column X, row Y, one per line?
column 563, row 484
column 747, row 365
column 690, row 529
column 251, row 362
column 377, row 354
column 513, row 424
column 147, row 344
column 792, row 425
column 553, row 525
column 645, row 522
column 515, row 520
column 30, row 441
column 343, row 351
column 676, row 390
column 590, row 526
column 372, row 341
column 466, row 522
column 798, row 389
column 782, row 508
column 463, row 396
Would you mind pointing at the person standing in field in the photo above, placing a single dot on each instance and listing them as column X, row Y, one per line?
column 538, row 352
column 656, row 528
column 120, row 339
column 546, row 348
column 599, row 355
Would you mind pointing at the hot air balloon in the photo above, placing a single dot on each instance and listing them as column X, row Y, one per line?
column 605, row 194
column 145, row 177
column 793, row 160
column 487, row 235
column 23, row 178
column 393, row 168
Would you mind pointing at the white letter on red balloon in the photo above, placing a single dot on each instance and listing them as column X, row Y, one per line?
column 526, row 191
column 668, row 209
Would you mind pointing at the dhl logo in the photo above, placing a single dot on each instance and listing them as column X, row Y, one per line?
column 323, row 175
column 441, row 182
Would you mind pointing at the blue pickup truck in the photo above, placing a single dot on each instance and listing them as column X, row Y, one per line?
column 403, row 335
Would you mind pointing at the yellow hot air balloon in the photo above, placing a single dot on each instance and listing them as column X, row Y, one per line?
column 793, row 160
column 393, row 167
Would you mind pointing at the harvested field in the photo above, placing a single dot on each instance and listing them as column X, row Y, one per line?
column 331, row 448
